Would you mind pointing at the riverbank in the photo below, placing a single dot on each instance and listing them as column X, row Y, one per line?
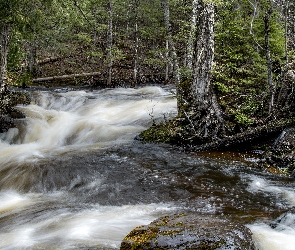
column 72, row 175
column 275, row 143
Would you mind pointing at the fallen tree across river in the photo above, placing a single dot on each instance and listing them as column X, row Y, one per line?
column 65, row 77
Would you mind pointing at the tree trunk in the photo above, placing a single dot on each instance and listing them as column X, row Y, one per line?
column 201, row 109
column 32, row 58
column 110, row 43
column 167, row 61
column 176, row 75
column 191, row 39
column 4, row 44
column 270, row 82
column 283, row 84
column 286, row 30
column 136, row 45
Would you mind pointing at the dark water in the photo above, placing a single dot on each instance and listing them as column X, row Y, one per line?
column 72, row 177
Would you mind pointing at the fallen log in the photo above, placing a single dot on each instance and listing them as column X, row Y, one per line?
column 247, row 138
column 64, row 77
column 73, row 76
column 49, row 60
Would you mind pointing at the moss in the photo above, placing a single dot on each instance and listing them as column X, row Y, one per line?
column 139, row 237
column 165, row 132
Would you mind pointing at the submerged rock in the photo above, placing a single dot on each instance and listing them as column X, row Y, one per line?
column 189, row 232
column 287, row 219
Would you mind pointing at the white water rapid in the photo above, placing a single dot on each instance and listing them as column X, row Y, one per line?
column 59, row 123
column 279, row 235
column 73, row 177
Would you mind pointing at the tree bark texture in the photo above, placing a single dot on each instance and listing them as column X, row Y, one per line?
column 191, row 39
column 270, row 82
column 136, row 45
column 4, row 44
column 203, row 111
column 31, row 61
column 171, row 45
column 110, row 42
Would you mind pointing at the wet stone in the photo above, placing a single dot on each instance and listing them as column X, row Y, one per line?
column 192, row 231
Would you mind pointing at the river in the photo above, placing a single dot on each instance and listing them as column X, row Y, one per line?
column 73, row 177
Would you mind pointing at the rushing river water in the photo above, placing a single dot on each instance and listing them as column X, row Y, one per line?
column 73, row 177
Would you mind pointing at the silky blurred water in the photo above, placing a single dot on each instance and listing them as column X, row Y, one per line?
column 73, row 177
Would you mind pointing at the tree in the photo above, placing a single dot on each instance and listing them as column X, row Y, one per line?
column 7, row 19
column 4, row 45
column 171, row 45
column 110, row 42
column 200, row 106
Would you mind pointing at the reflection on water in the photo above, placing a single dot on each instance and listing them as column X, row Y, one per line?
column 72, row 177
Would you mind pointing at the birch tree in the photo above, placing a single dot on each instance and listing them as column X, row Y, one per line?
column 201, row 108
column 191, row 39
column 7, row 14
column 4, row 44
column 170, row 44
column 110, row 42
column 271, row 85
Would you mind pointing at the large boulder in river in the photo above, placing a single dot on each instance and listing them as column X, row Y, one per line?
column 189, row 232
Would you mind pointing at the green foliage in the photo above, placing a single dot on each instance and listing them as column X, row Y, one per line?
column 221, row 87
column 241, row 119
column 16, row 54
column 160, row 133
column 240, row 70
column 77, row 30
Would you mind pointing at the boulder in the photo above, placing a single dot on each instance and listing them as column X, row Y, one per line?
column 8, row 114
column 5, row 123
column 282, row 152
column 192, row 231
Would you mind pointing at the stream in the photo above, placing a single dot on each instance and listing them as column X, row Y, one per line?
column 73, row 177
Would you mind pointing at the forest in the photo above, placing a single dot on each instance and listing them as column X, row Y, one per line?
column 160, row 124
column 232, row 62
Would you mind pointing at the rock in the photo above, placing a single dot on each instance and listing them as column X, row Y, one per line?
column 190, row 231
column 7, row 111
column 5, row 123
column 282, row 152
column 287, row 219
column 16, row 114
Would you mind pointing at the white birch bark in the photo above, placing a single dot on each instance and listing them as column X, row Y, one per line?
column 110, row 43
column 171, row 42
column 136, row 45
column 203, row 110
column 167, row 61
column 191, row 39
column 204, row 53
column 4, row 44
column 271, row 85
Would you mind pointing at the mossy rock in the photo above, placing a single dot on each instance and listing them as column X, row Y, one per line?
column 166, row 132
column 193, row 231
